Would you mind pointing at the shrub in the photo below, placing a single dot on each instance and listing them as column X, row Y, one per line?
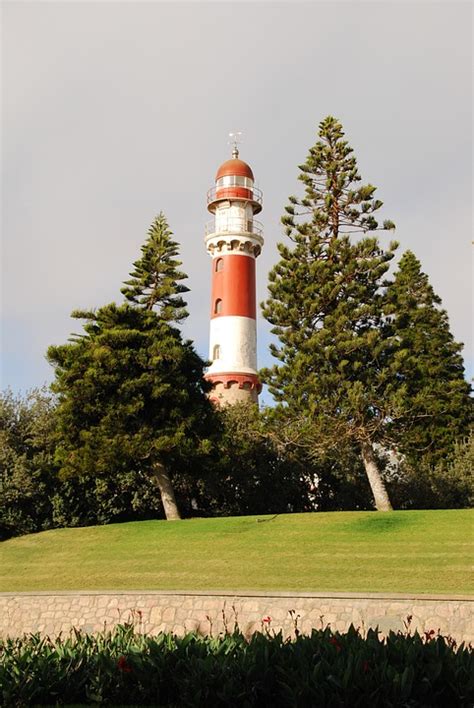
column 126, row 668
column 447, row 485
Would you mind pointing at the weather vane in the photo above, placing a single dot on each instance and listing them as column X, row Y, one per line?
column 235, row 140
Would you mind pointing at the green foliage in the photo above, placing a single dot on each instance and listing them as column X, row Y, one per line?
column 326, row 668
column 131, row 393
column 438, row 407
column 339, row 480
column 155, row 279
column 250, row 472
column 337, row 362
column 335, row 358
column 119, row 496
column 449, row 484
column 33, row 497
column 333, row 201
column 362, row 361
column 131, row 390
column 27, row 473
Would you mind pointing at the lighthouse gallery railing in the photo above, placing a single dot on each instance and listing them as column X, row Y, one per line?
column 256, row 194
column 234, row 225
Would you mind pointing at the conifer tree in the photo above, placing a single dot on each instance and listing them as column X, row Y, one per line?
column 131, row 390
column 335, row 371
column 155, row 280
column 439, row 408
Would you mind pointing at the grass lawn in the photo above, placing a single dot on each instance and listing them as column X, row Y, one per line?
column 403, row 551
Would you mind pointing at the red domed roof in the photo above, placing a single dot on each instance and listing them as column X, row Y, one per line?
column 234, row 167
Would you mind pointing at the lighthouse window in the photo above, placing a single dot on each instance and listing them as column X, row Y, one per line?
column 216, row 352
column 219, row 264
column 218, row 307
column 234, row 180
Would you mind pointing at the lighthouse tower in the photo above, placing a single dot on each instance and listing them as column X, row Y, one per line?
column 233, row 240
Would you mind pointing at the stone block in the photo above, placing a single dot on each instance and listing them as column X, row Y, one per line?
column 443, row 610
column 168, row 614
column 329, row 618
column 431, row 623
column 254, row 616
column 155, row 615
column 211, row 603
column 385, row 623
column 277, row 613
column 315, row 614
column 191, row 625
column 465, row 611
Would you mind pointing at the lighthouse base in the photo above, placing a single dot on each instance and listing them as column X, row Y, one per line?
column 230, row 388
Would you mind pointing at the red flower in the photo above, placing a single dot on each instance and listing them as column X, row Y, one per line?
column 335, row 643
column 123, row 666
column 267, row 620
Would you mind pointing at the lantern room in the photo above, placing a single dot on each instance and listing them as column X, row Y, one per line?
column 234, row 180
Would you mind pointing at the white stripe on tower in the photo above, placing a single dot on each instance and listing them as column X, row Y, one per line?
column 234, row 240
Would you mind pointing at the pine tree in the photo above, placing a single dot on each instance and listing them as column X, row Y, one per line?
column 439, row 407
column 336, row 358
column 131, row 390
column 131, row 396
column 155, row 279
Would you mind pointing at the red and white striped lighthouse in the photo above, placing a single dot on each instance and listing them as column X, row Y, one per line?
column 234, row 240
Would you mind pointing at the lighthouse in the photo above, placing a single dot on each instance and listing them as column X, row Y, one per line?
column 234, row 240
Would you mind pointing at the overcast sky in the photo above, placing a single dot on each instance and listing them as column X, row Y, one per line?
column 114, row 111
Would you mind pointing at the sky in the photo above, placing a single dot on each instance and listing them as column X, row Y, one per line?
column 114, row 111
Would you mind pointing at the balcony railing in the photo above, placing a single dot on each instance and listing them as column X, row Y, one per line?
column 236, row 226
column 255, row 194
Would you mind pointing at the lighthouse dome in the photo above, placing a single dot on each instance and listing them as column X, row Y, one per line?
column 234, row 167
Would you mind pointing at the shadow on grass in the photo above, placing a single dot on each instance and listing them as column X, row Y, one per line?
column 379, row 523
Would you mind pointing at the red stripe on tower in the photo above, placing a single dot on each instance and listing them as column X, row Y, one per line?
column 233, row 286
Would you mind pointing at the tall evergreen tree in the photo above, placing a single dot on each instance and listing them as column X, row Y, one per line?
column 439, row 407
column 336, row 360
column 155, row 280
column 131, row 391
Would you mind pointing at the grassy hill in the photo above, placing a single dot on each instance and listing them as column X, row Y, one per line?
column 404, row 551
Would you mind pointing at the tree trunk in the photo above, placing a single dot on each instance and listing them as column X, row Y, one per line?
column 382, row 502
column 167, row 493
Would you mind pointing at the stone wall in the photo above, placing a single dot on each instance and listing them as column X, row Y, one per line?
column 214, row 612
